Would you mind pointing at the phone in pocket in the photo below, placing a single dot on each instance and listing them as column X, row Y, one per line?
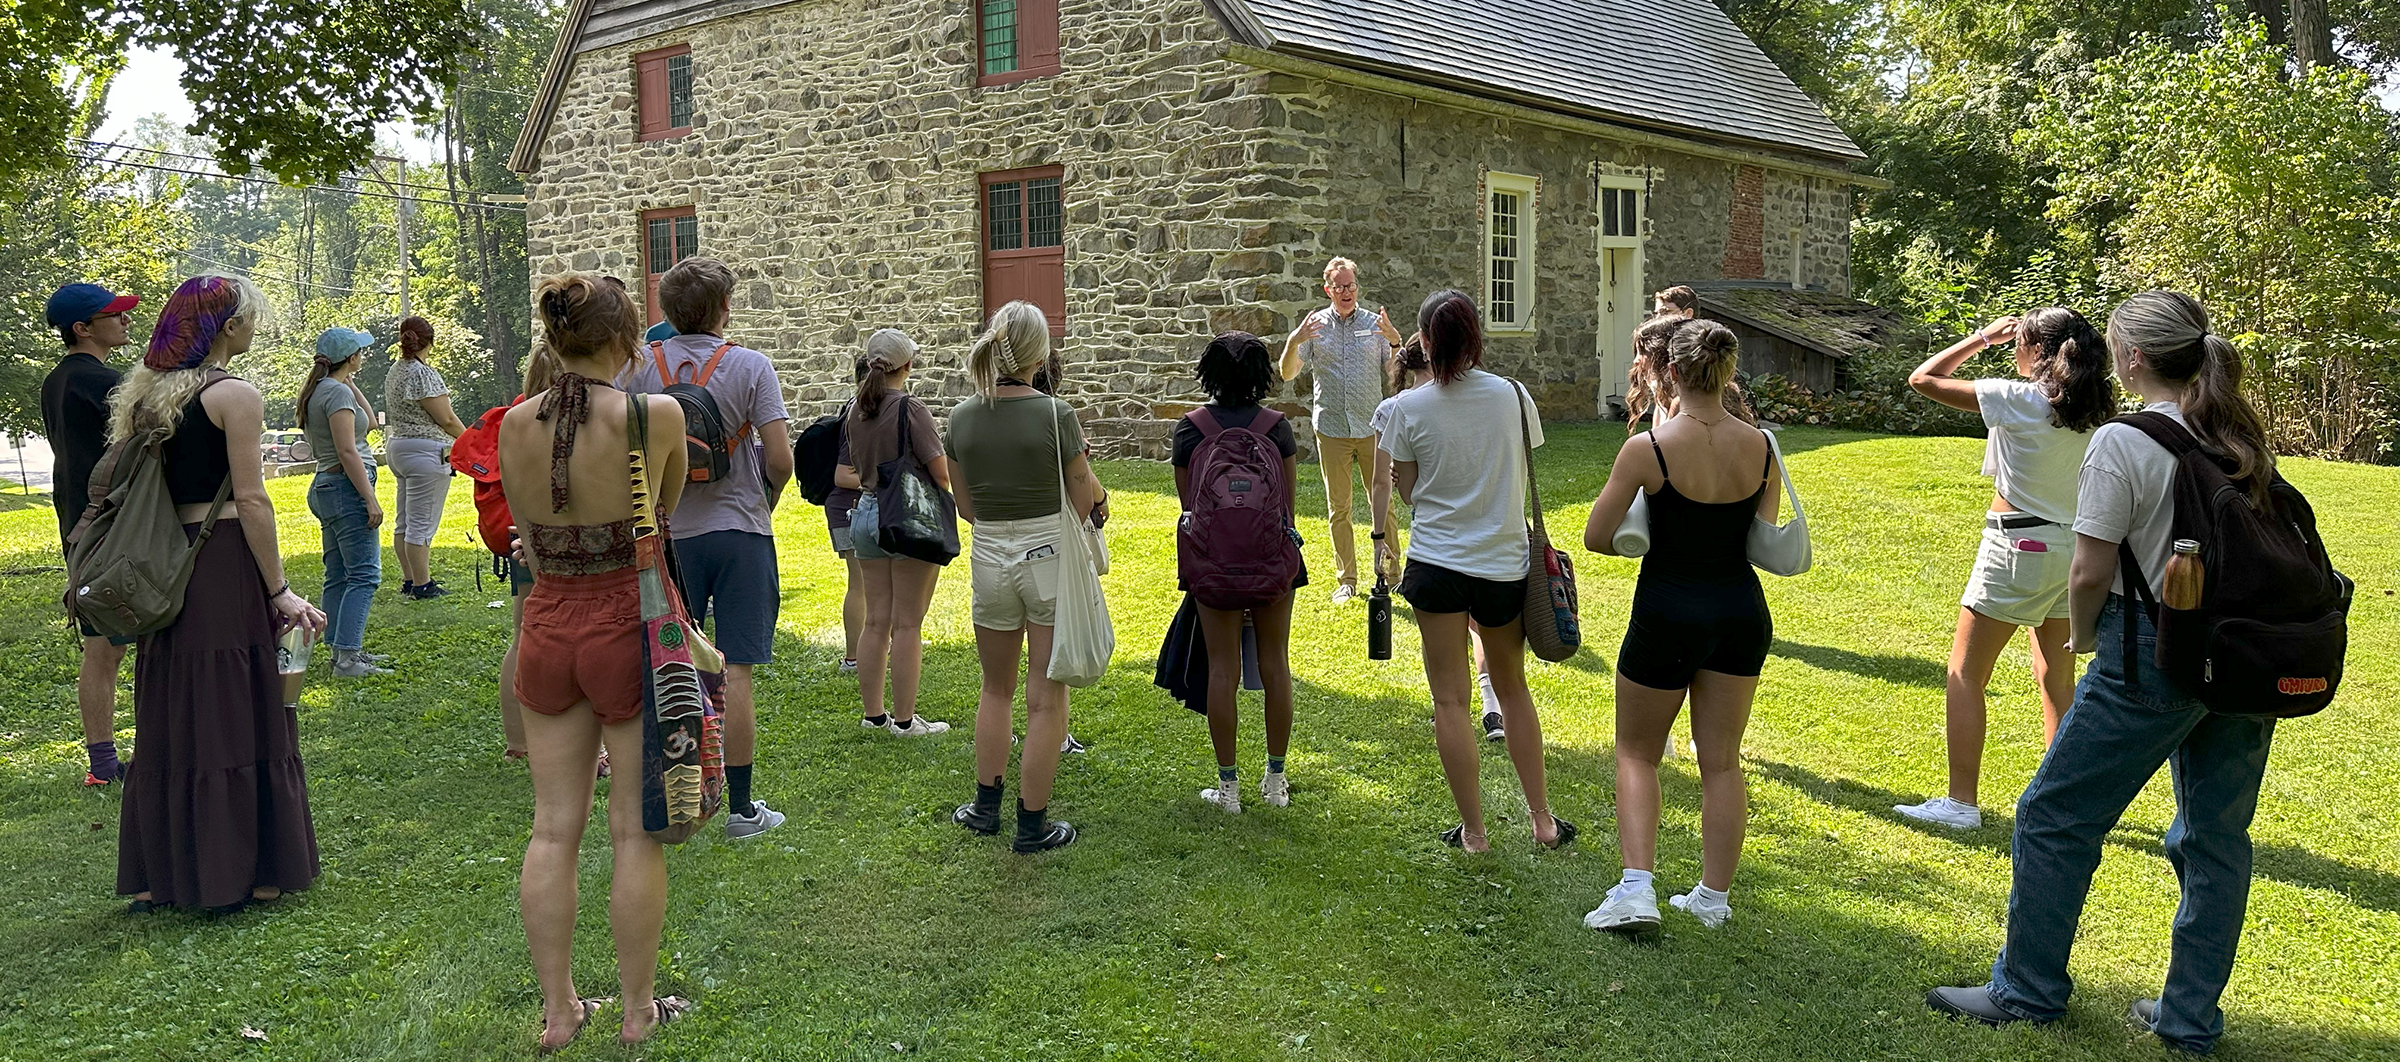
column 1039, row 552
column 2027, row 545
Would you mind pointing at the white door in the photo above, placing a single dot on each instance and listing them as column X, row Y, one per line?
column 1623, row 298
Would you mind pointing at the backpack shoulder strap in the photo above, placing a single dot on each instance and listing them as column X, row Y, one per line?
column 1268, row 417
column 710, row 369
column 1205, row 421
column 2163, row 430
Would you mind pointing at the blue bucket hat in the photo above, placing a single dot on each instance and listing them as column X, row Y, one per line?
column 338, row 344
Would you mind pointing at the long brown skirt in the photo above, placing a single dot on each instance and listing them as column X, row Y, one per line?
column 215, row 801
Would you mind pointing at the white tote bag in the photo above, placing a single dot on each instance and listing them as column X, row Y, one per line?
column 1782, row 550
column 1083, row 639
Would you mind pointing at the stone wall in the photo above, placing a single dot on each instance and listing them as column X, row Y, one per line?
column 834, row 157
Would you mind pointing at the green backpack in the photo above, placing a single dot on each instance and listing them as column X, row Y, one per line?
column 127, row 559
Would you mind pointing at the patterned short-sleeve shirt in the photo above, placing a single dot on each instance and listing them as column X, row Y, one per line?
column 405, row 390
column 1347, row 360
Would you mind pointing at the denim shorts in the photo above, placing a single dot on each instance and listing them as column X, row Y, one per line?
column 863, row 519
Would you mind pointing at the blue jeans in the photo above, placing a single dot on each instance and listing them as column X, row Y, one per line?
column 2109, row 745
column 353, row 559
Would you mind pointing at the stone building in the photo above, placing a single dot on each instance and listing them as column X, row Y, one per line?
column 1155, row 171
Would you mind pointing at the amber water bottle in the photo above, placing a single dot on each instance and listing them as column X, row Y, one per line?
column 1379, row 621
column 2181, row 586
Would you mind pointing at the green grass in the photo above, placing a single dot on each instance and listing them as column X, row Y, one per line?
column 1338, row 928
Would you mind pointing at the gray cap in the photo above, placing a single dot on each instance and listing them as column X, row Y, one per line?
column 890, row 348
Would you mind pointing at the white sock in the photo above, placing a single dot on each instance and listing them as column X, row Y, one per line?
column 1702, row 894
column 1634, row 877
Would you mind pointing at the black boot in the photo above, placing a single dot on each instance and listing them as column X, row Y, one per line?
column 1036, row 834
column 983, row 814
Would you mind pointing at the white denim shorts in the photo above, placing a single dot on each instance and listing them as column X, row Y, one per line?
column 1014, row 569
column 2020, row 574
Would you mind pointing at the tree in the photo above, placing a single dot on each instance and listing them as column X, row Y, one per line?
column 295, row 86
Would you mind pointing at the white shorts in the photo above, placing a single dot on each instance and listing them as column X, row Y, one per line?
column 2020, row 574
column 1014, row 569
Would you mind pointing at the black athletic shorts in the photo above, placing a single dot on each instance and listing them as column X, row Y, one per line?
column 1679, row 631
column 1490, row 602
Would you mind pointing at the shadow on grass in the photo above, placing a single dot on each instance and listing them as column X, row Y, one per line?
column 1914, row 671
column 2298, row 867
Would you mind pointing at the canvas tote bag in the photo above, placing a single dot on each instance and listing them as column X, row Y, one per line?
column 683, row 754
column 1551, row 625
column 1083, row 640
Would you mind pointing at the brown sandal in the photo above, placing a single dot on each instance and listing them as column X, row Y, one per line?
column 590, row 1008
column 666, row 1009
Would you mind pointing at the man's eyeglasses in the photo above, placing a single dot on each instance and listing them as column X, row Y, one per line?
column 1346, row 288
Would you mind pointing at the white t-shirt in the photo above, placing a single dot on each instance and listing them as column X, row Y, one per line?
column 1470, row 493
column 2033, row 462
column 2125, row 483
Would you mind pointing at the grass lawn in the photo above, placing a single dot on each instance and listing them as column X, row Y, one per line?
column 1337, row 928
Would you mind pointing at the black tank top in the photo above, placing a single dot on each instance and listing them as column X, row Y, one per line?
column 1694, row 542
column 196, row 464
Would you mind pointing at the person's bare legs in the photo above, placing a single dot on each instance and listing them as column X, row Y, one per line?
column 560, row 748
column 1504, row 650
column 1272, row 625
column 1221, row 636
column 637, row 891
column 854, row 607
column 1973, row 651
column 912, row 593
column 2054, row 672
column 1720, row 713
column 1444, row 638
column 995, row 720
column 874, row 632
column 96, row 689
column 741, row 718
column 1644, row 717
column 512, row 714
column 1045, row 722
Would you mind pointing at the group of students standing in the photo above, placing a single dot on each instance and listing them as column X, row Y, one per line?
column 593, row 449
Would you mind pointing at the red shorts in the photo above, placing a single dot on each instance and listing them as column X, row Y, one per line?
column 582, row 640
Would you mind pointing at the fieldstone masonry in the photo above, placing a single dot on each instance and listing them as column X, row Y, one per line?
column 834, row 157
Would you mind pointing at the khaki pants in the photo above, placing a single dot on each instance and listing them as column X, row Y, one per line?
column 1335, row 458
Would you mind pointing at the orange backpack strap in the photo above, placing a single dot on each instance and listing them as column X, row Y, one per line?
column 710, row 370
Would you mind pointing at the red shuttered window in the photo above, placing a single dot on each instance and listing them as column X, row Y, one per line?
column 1015, row 40
column 663, row 93
column 1024, row 242
column 669, row 235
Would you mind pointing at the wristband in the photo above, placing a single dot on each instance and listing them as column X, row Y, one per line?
column 287, row 588
column 1376, row 535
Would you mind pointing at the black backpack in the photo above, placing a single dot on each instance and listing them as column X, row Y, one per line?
column 708, row 443
column 814, row 455
column 2273, row 623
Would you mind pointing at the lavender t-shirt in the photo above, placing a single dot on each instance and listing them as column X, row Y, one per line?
column 747, row 392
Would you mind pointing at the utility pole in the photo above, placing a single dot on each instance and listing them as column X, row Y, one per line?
column 400, row 220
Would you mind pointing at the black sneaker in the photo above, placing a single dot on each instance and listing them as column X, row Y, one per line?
column 430, row 589
column 1491, row 727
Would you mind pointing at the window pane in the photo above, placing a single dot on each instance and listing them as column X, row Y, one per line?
column 1042, row 213
column 1504, row 291
column 659, row 244
column 1005, row 206
column 1608, row 213
column 1627, row 215
column 679, row 91
column 687, row 237
column 999, row 36
column 1504, row 223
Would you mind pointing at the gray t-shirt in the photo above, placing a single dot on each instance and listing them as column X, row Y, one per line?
column 330, row 397
column 405, row 389
column 1010, row 450
column 749, row 395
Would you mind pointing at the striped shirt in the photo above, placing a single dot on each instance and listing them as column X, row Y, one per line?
column 1347, row 360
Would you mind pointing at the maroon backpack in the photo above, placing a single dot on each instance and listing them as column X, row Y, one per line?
column 1234, row 548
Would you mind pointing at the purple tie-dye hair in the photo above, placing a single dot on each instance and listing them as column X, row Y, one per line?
column 189, row 323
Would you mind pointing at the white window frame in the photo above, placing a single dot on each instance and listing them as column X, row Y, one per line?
column 1527, row 189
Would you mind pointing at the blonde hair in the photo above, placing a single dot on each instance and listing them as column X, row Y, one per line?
column 2169, row 329
column 1339, row 263
column 1017, row 342
column 150, row 403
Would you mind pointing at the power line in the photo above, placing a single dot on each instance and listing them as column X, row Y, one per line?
column 255, row 275
column 106, row 161
column 220, row 165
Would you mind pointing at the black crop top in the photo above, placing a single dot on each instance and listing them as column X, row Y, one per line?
column 196, row 464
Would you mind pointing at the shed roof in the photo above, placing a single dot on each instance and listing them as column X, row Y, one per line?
column 1834, row 325
column 1676, row 65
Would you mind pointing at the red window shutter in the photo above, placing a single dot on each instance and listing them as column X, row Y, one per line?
column 650, row 82
column 1037, row 36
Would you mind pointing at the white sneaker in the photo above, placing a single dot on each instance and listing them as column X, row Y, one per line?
column 850, row 666
column 1630, row 909
column 918, row 727
column 1275, row 789
column 1228, row 799
column 1943, row 811
column 761, row 819
column 1712, row 915
column 1344, row 594
column 1070, row 745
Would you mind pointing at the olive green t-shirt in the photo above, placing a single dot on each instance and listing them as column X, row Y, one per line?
column 1010, row 450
